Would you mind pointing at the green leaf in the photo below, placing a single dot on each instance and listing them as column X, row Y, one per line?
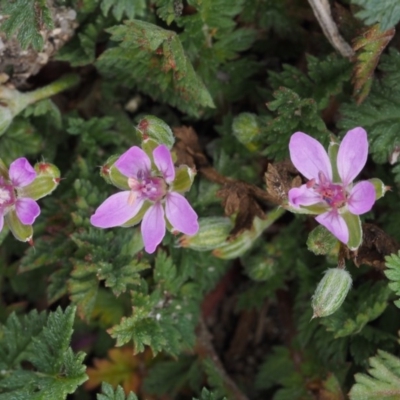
column 108, row 393
column 123, row 7
column 293, row 114
column 386, row 13
column 383, row 381
column 147, row 50
column 362, row 306
column 393, row 274
column 36, row 359
column 25, row 19
column 325, row 78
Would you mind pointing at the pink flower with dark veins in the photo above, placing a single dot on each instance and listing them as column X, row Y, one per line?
column 151, row 189
column 330, row 188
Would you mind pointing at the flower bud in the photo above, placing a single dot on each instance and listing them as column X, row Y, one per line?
column 156, row 129
column 212, row 233
column 321, row 241
column 46, row 181
column 331, row 292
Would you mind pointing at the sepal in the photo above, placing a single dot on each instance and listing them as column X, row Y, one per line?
column 353, row 223
column 212, row 233
column 46, row 181
column 111, row 174
column 138, row 217
column 184, row 177
column 156, row 129
column 20, row 231
column 331, row 292
column 380, row 187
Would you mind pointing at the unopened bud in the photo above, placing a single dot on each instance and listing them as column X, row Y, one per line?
column 331, row 292
column 321, row 241
column 156, row 129
column 212, row 233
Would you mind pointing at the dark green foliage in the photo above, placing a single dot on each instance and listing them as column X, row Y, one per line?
column 25, row 19
column 293, row 114
column 325, row 78
column 43, row 341
column 393, row 274
column 378, row 113
column 144, row 47
column 385, row 13
column 123, row 7
column 108, row 393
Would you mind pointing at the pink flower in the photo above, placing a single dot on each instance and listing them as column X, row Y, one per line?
column 152, row 189
column 12, row 198
column 330, row 187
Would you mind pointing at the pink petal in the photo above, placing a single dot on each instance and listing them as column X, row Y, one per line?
column 362, row 198
column 153, row 227
column 303, row 196
column 309, row 156
column 116, row 210
column 335, row 223
column 352, row 154
column 181, row 214
column 27, row 210
column 163, row 161
column 134, row 163
column 21, row 172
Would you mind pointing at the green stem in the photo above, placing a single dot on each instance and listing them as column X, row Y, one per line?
column 65, row 82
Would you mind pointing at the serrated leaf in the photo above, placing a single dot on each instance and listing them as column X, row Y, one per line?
column 25, row 19
column 383, row 381
column 393, row 274
column 120, row 367
column 386, row 13
column 368, row 47
column 145, row 49
column 123, row 7
column 118, row 394
column 36, row 357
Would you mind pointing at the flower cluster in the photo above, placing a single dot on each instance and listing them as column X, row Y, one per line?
column 152, row 194
column 330, row 191
column 20, row 186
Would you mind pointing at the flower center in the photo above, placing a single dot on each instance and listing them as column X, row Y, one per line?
column 7, row 195
column 333, row 194
column 150, row 188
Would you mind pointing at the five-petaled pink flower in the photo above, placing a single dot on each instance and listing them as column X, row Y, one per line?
column 21, row 174
column 337, row 196
column 148, row 187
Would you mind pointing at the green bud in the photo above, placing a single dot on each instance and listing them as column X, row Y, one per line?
column 246, row 130
column 112, row 175
column 46, row 181
column 156, row 129
column 331, row 292
column 20, row 231
column 212, row 233
column 262, row 265
column 380, row 187
column 184, row 177
column 321, row 241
